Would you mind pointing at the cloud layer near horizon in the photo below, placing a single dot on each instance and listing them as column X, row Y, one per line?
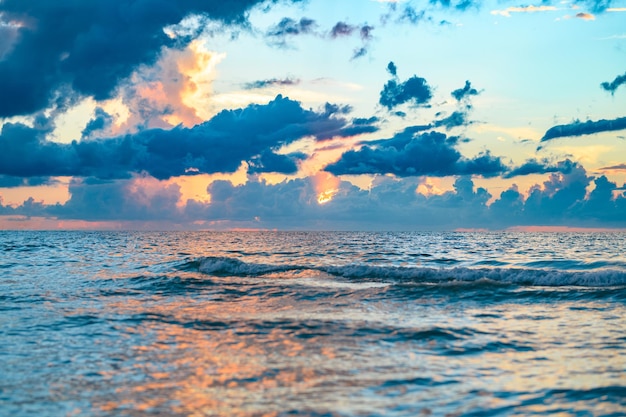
column 560, row 200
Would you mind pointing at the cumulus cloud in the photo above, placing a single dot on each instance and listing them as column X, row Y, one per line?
column 218, row 145
column 136, row 199
column 415, row 90
column 94, row 48
column 412, row 154
column 584, row 128
column 390, row 204
column 613, row 85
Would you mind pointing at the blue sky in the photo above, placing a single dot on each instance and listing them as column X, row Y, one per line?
column 360, row 115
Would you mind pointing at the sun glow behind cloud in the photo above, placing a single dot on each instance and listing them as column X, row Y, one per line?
column 326, row 185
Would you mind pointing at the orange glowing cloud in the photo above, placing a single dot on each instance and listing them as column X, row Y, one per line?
column 326, row 186
column 176, row 90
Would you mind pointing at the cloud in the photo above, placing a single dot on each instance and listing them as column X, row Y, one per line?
column 415, row 90
column 95, row 48
column 534, row 166
column 342, row 29
column 619, row 167
column 136, row 199
column 584, row 128
column 596, row 6
column 269, row 161
column 289, row 27
column 102, row 120
column 410, row 15
column 272, row 82
column 613, row 85
column 365, row 32
column 461, row 5
column 390, row 204
column 218, row 145
column 585, row 16
column 410, row 154
column 523, row 9
column 456, row 119
column 12, row 182
column 464, row 92
column 359, row 53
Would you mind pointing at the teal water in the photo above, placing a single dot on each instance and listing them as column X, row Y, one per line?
column 319, row 324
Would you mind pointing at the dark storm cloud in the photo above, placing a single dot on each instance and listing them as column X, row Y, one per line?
column 415, row 90
column 90, row 45
column 464, row 92
column 584, row 128
column 218, row 145
column 271, row 82
column 613, row 85
column 408, row 154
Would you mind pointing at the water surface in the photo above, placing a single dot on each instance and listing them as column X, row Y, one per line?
column 320, row 324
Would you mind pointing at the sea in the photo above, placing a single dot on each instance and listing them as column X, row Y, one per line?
column 312, row 324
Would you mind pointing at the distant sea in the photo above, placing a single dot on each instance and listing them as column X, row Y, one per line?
column 312, row 324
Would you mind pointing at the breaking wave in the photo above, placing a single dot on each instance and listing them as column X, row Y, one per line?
column 224, row 266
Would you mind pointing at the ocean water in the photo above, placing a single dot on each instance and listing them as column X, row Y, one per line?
column 312, row 324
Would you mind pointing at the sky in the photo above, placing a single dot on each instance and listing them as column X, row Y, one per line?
column 313, row 115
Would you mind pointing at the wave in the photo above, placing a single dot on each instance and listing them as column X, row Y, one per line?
column 224, row 266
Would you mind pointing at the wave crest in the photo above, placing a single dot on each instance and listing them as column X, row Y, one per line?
column 224, row 266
